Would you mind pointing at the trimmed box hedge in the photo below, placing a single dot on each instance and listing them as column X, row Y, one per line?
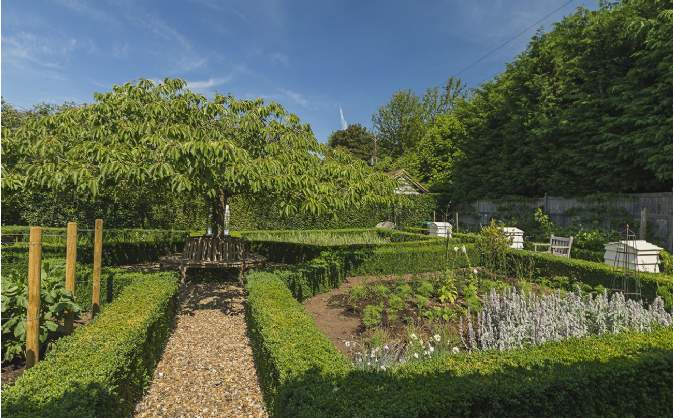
column 102, row 369
column 303, row 375
column 592, row 273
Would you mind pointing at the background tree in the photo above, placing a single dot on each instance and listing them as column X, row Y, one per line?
column 165, row 137
column 356, row 139
column 586, row 108
column 399, row 124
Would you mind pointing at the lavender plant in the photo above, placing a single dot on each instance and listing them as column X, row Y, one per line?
column 513, row 319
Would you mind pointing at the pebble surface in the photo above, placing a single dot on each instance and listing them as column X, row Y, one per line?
column 207, row 368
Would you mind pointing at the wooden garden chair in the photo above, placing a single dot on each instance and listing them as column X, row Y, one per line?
column 559, row 246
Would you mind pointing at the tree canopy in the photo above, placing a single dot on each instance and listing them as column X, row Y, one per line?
column 587, row 107
column 356, row 139
column 161, row 135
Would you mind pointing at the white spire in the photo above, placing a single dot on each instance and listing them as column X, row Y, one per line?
column 344, row 124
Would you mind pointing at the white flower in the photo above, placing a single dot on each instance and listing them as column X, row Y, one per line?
column 369, row 363
column 455, row 349
column 348, row 343
column 455, row 249
column 432, row 349
column 413, row 336
column 415, row 355
column 437, row 337
column 475, row 271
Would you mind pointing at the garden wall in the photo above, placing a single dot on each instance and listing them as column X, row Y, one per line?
column 604, row 211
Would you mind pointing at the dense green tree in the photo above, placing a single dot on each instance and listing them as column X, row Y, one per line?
column 588, row 107
column 356, row 139
column 437, row 152
column 399, row 124
column 165, row 137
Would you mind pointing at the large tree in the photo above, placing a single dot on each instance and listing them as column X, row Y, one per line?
column 588, row 107
column 356, row 139
column 161, row 136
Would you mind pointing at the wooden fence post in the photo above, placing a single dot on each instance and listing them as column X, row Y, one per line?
column 643, row 223
column 70, row 265
column 97, row 261
column 33, row 314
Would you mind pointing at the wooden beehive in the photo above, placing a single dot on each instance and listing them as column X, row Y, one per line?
column 636, row 255
column 515, row 236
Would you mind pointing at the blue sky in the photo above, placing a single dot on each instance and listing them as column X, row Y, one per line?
column 311, row 56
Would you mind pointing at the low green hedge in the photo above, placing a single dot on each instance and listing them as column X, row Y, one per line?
column 303, row 375
column 284, row 247
column 114, row 253
column 102, row 369
column 330, row 268
column 286, row 343
column 592, row 273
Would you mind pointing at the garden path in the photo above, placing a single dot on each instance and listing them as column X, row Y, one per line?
column 207, row 368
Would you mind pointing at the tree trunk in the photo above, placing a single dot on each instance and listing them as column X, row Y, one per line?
column 219, row 209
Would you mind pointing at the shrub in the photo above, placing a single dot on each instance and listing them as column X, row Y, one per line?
column 55, row 302
column 103, row 367
column 303, row 375
column 286, row 343
column 594, row 274
column 511, row 319
column 371, row 315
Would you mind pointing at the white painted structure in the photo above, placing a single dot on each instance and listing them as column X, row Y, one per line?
column 636, row 255
column 440, row 229
column 386, row 225
column 515, row 236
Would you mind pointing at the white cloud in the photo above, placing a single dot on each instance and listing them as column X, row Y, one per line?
column 207, row 84
column 280, row 58
column 295, row 97
column 26, row 49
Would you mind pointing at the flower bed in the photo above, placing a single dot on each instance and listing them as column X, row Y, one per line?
column 304, row 375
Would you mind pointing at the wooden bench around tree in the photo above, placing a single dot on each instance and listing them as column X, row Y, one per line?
column 559, row 246
column 213, row 253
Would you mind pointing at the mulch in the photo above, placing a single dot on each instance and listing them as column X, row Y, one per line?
column 207, row 368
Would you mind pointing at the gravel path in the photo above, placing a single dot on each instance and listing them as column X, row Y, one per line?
column 207, row 369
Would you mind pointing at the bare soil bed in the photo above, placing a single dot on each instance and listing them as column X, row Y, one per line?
column 335, row 319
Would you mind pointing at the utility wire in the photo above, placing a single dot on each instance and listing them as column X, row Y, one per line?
column 537, row 22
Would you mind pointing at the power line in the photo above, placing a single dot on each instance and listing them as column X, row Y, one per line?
column 537, row 22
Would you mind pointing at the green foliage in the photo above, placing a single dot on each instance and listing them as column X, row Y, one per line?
column 286, row 343
column 585, row 108
column 119, row 246
column 55, row 301
column 372, row 315
column 356, row 139
column 493, row 246
column 594, row 274
column 103, row 368
column 303, row 375
column 177, row 140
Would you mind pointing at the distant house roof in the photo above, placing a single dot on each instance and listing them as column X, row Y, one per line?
column 406, row 183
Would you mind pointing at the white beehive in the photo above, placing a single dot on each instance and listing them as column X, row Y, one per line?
column 440, row 229
column 515, row 236
column 637, row 255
